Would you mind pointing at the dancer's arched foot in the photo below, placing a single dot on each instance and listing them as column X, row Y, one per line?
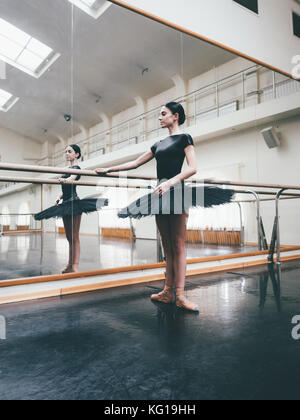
column 166, row 296
column 67, row 270
column 183, row 303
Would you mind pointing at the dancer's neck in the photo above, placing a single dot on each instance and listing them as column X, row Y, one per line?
column 74, row 163
column 173, row 131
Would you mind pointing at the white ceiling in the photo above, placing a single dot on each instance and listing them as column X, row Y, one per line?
column 109, row 55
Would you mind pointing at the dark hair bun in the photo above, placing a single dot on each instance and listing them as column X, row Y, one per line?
column 76, row 149
column 177, row 108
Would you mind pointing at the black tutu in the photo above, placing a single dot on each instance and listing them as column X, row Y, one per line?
column 72, row 207
column 177, row 200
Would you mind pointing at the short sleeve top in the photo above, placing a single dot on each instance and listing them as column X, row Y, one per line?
column 69, row 190
column 170, row 154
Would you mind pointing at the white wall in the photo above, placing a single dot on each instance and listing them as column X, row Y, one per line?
column 268, row 37
column 255, row 162
column 26, row 201
column 17, row 148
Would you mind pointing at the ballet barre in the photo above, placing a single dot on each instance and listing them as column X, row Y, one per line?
column 281, row 191
column 288, row 197
column 42, row 181
column 55, row 170
column 60, row 171
column 100, row 183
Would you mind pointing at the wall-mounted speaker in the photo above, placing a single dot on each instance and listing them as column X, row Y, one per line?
column 271, row 137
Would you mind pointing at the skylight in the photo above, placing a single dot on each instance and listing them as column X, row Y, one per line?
column 7, row 100
column 94, row 8
column 24, row 52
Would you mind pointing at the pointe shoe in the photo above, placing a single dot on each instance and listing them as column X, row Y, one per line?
column 166, row 296
column 68, row 269
column 183, row 303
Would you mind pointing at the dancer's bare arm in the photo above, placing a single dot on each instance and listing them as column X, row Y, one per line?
column 142, row 160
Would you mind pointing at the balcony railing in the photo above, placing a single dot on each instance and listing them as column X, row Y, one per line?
column 252, row 86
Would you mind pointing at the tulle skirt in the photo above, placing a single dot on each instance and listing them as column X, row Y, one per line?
column 72, row 207
column 177, row 200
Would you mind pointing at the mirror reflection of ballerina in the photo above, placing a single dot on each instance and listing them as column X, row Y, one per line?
column 71, row 208
column 171, row 199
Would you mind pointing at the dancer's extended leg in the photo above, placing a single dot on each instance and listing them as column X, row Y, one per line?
column 178, row 225
column 76, row 242
column 167, row 295
column 68, row 229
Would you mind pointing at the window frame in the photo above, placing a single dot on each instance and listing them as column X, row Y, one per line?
column 237, row 2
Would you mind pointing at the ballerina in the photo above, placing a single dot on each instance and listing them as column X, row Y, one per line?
column 172, row 199
column 71, row 208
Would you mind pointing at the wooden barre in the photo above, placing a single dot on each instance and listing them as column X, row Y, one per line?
column 54, row 170
column 100, row 183
column 290, row 195
column 49, row 169
column 269, row 199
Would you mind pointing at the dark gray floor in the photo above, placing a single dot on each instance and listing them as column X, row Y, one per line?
column 29, row 256
column 117, row 344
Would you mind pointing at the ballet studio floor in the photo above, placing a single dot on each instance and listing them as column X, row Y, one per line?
column 36, row 255
column 117, row 344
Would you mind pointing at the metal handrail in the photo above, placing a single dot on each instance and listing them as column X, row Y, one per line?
column 145, row 114
column 275, row 241
column 185, row 98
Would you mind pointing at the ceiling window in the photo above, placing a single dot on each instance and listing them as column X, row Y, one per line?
column 296, row 22
column 249, row 4
column 94, row 8
column 24, row 52
column 7, row 100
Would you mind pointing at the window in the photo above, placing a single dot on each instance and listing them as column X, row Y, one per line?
column 7, row 100
column 24, row 52
column 296, row 21
column 249, row 4
column 94, row 8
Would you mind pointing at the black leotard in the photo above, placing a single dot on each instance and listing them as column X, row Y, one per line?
column 169, row 154
column 69, row 190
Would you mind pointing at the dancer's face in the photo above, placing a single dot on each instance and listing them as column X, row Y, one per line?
column 167, row 119
column 70, row 154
